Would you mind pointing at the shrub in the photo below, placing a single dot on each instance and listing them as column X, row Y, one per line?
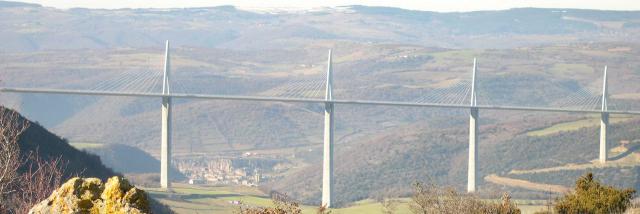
column 431, row 199
column 590, row 196
column 281, row 205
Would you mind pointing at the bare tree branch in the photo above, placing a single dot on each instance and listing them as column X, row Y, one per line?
column 11, row 127
column 39, row 180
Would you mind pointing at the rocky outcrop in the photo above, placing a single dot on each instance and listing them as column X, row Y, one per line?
column 90, row 195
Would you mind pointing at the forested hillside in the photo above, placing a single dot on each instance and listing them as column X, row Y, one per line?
column 370, row 168
column 37, row 140
column 37, row 146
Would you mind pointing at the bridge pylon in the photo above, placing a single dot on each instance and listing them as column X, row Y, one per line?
column 473, row 134
column 604, row 119
column 165, row 147
column 327, row 157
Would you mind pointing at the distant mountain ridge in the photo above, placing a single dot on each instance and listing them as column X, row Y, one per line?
column 17, row 4
column 229, row 27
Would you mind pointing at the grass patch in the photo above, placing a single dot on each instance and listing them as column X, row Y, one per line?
column 370, row 206
column 209, row 199
column 81, row 146
column 190, row 199
column 455, row 55
column 574, row 125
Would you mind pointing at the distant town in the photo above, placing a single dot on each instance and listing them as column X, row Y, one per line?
column 246, row 170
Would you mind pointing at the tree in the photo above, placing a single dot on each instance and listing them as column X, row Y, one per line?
column 11, row 126
column 37, row 182
column 19, row 191
column 590, row 196
column 389, row 206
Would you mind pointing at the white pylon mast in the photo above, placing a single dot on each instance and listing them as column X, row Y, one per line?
column 327, row 158
column 473, row 134
column 604, row 120
column 165, row 147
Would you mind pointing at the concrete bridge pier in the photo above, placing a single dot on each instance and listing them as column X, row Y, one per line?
column 165, row 147
column 604, row 123
column 327, row 158
column 473, row 135
column 604, row 120
column 473, row 150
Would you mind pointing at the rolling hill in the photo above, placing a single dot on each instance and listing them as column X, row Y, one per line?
column 387, row 166
column 527, row 57
column 30, row 27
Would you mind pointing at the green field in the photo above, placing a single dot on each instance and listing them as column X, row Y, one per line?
column 455, row 54
column 82, row 145
column 189, row 199
column 574, row 125
column 186, row 198
column 208, row 199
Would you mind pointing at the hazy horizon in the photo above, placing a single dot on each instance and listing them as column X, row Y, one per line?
column 449, row 6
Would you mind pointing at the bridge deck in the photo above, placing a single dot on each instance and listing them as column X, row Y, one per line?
column 304, row 100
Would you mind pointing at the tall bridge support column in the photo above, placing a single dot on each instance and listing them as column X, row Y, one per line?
column 473, row 135
column 165, row 147
column 604, row 120
column 604, row 123
column 327, row 158
column 473, row 150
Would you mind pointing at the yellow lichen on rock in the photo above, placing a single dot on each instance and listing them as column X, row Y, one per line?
column 137, row 198
column 90, row 195
column 120, row 197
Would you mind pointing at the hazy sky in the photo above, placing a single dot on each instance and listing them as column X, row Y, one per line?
column 430, row 5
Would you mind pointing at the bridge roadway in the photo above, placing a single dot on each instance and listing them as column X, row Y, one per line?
column 305, row 100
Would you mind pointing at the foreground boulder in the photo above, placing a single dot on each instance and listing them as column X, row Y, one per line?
column 90, row 195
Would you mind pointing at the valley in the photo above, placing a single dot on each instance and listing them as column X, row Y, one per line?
column 263, row 128
column 240, row 151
